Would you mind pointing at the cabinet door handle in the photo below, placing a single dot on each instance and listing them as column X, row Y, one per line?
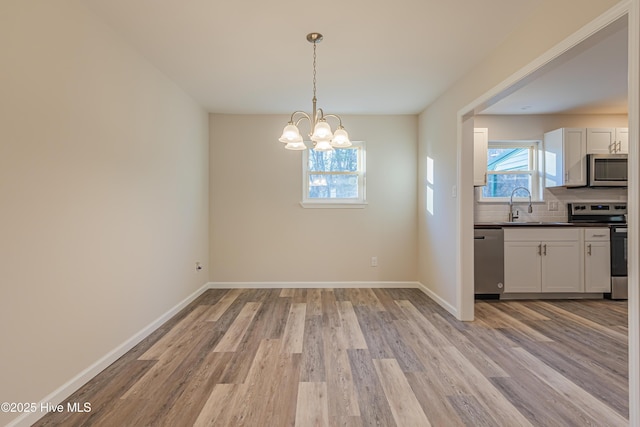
column 540, row 249
column 599, row 235
column 589, row 249
column 545, row 250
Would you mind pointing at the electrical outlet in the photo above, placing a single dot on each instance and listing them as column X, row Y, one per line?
column 374, row 261
column 553, row 205
column 198, row 266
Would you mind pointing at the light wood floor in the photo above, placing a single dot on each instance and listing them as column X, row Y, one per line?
column 367, row 357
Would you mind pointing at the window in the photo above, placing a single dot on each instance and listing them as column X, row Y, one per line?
column 512, row 164
column 334, row 178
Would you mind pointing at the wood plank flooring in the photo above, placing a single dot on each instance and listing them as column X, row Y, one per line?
column 367, row 357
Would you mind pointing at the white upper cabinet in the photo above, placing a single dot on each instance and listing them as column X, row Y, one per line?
column 607, row 141
column 565, row 157
column 480, row 146
column 622, row 137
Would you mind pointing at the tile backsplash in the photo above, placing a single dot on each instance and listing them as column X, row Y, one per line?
column 492, row 211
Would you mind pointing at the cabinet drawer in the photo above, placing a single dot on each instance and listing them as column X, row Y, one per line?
column 596, row 234
column 536, row 234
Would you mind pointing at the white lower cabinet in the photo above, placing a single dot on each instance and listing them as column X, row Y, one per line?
column 561, row 267
column 522, row 266
column 597, row 260
column 543, row 260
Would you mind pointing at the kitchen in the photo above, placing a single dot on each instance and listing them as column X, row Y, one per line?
column 546, row 227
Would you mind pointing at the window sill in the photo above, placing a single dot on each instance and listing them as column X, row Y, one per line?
column 333, row 205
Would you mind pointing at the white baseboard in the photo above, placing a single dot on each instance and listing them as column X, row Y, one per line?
column 442, row 303
column 71, row 386
column 325, row 285
column 310, row 285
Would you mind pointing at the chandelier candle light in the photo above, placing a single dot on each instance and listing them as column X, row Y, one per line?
column 322, row 136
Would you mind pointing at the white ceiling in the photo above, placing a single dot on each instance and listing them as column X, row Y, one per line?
column 377, row 57
column 590, row 78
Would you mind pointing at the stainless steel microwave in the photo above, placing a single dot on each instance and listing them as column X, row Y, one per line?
column 608, row 170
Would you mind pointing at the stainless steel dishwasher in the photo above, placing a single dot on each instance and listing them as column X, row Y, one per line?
column 488, row 262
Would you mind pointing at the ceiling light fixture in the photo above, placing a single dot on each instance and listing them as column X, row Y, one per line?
column 320, row 132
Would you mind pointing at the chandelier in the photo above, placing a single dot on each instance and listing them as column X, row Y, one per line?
column 320, row 132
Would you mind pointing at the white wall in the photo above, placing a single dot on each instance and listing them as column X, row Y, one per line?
column 103, row 195
column 259, row 231
column 439, row 247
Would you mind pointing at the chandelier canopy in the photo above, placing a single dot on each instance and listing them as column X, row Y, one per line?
column 320, row 132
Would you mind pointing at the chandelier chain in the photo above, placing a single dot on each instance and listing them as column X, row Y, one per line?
column 323, row 138
column 314, row 70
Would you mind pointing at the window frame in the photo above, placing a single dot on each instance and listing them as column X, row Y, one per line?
column 536, row 171
column 345, row 203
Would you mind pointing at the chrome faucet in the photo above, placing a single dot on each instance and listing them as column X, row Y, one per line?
column 529, row 209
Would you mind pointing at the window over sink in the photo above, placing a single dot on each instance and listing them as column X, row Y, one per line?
column 512, row 164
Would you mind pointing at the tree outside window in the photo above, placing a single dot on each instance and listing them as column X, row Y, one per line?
column 335, row 177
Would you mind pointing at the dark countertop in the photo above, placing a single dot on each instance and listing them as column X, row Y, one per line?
column 488, row 225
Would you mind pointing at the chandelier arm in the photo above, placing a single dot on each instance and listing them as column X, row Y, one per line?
column 320, row 131
column 301, row 113
column 335, row 116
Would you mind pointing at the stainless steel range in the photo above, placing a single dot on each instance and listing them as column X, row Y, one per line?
column 615, row 216
column 600, row 213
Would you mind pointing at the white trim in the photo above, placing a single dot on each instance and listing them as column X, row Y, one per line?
column 535, row 147
column 634, row 216
column 441, row 302
column 464, row 236
column 311, row 285
column 336, row 285
column 74, row 384
column 339, row 203
column 582, row 34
